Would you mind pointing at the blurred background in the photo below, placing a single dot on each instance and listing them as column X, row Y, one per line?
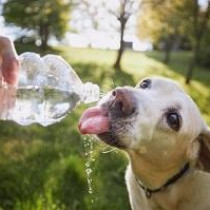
column 111, row 43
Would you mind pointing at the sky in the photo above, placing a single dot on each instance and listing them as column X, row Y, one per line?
column 107, row 33
column 83, row 31
column 93, row 26
column 9, row 31
column 98, row 27
column 203, row 2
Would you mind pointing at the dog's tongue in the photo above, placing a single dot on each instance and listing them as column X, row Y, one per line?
column 93, row 121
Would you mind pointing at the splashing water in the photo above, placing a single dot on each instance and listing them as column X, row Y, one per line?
column 89, row 143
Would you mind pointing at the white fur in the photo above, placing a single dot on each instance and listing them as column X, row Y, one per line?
column 157, row 153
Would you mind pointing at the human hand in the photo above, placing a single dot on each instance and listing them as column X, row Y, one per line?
column 9, row 63
column 9, row 66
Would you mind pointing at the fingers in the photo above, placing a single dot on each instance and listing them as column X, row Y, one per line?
column 10, row 68
column 9, row 62
column 7, row 102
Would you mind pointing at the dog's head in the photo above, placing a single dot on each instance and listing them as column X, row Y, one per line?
column 156, row 118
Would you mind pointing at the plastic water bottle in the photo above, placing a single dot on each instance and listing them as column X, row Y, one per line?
column 47, row 91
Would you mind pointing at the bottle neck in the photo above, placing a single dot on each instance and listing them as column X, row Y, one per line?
column 88, row 92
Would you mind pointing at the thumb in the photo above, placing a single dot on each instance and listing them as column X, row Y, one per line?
column 10, row 67
column 9, row 61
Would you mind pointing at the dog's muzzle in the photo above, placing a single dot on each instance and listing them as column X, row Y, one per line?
column 122, row 103
column 99, row 120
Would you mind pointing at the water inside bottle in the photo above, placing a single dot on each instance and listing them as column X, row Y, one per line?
column 43, row 105
column 47, row 91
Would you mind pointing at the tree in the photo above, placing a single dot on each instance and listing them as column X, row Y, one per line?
column 46, row 18
column 174, row 19
column 205, row 49
column 162, row 22
column 125, row 10
column 108, row 14
column 199, row 23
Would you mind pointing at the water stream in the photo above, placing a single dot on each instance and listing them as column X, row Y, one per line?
column 89, row 144
column 90, row 151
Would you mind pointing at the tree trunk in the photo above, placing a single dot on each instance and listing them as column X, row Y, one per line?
column 193, row 62
column 44, row 44
column 167, row 55
column 190, row 70
column 117, row 64
column 199, row 30
column 168, row 48
column 44, row 35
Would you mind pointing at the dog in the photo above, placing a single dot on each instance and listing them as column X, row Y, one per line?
column 168, row 144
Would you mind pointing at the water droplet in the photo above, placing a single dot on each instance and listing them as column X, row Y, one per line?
column 89, row 165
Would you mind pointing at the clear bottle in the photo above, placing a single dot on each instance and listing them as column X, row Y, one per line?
column 47, row 91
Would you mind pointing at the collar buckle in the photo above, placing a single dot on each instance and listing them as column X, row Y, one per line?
column 148, row 193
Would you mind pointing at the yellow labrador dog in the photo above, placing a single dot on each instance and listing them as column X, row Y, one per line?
column 168, row 144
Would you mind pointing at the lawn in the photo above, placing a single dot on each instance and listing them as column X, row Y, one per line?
column 45, row 168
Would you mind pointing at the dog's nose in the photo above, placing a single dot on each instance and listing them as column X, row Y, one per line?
column 122, row 104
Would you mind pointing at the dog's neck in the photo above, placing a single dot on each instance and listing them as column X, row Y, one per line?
column 152, row 174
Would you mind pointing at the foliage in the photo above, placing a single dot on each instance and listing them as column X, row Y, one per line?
column 45, row 17
column 160, row 19
column 199, row 18
column 205, row 49
column 174, row 18
column 44, row 168
column 118, row 14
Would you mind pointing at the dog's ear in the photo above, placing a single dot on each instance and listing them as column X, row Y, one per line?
column 204, row 153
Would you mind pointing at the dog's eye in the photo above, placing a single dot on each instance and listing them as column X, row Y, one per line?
column 173, row 120
column 145, row 84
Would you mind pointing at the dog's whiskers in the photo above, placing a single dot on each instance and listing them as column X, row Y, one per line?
column 102, row 94
column 114, row 85
column 108, row 151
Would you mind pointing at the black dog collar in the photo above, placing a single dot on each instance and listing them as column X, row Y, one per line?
column 176, row 177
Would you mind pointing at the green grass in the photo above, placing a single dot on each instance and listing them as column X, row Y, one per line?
column 44, row 168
